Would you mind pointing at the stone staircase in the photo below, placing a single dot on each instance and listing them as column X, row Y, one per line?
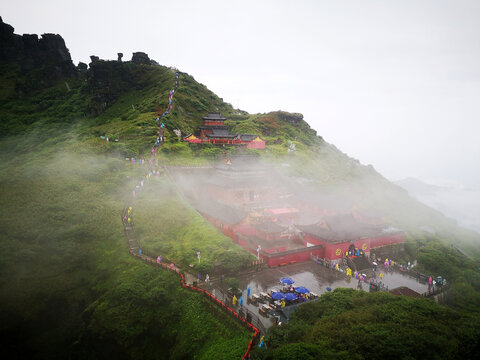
column 359, row 263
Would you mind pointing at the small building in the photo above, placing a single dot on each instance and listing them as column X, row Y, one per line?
column 214, row 131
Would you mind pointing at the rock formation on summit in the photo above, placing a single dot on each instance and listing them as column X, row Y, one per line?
column 44, row 59
column 33, row 52
column 141, row 58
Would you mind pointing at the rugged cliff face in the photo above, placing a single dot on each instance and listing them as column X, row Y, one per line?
column 44, row 60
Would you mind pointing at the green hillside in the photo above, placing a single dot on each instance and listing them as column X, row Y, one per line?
column 349, row 324
column 69, row 289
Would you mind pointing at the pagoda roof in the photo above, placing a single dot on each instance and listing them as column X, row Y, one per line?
column 216, row 135
column 214, row 117
column 248, row 137
column 213, row 127
column 339, row 228
column 269, row 227
column 220, row 132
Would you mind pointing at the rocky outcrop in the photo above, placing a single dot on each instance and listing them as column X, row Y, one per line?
column 33, row 52
column 82, row 67
column 106, row 81
column 94, row 59
column 41, row 60
column 141, row 58
column 293, row 119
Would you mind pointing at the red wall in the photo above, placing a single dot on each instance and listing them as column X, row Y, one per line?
column 256, row 145
column 298, row 257
column 245, row 229
column 331, row 249
column 386, row 240
column 213, row 122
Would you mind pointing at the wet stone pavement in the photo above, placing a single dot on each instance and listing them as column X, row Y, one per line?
column 317, row 278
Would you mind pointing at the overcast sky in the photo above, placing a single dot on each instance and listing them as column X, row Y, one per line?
column 395, row 84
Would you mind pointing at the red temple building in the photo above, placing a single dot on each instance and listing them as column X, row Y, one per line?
column 252, row 204
column 214, row 131
column 342, row 233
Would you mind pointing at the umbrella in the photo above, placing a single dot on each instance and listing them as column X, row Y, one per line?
column 277, row 296
column 329, row 289
column 302, row 290
column 290, row 296
column 287, row 281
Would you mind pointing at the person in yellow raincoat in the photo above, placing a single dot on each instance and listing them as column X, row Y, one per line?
column 234, row 300
column 349, row 271
column 381, row 275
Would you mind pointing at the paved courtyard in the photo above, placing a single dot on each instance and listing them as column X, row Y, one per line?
column 317, row 278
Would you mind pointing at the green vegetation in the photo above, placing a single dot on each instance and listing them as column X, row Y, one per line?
column 167, row 225
column 149, row 316
column 349, row 324
column 436, row 257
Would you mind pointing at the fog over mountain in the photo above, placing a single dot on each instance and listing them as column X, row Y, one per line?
column 394, row 84
column 461, row 204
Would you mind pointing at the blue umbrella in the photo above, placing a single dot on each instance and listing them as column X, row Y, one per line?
column 302, row 290
column 290, row 296
column 277, row 296
column 329, row 289
column 287, row 281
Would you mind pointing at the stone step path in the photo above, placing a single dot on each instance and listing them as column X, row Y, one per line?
column 161, row 126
